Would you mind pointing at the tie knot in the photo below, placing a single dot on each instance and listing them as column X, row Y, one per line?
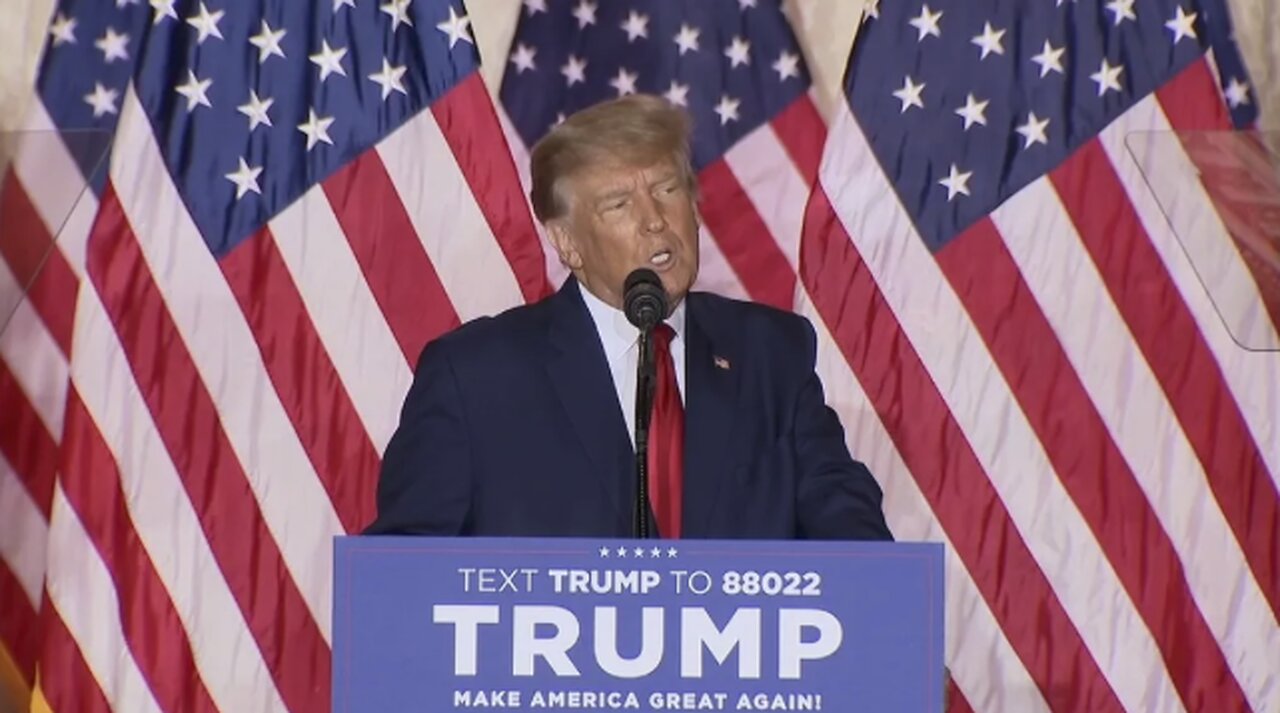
column 662, row 335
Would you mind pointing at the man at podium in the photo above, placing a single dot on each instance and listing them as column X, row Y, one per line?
column 523, row 424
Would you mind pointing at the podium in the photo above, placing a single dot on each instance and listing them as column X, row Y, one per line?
column 497, row 624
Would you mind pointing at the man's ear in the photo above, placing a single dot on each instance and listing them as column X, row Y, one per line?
column 562, row 240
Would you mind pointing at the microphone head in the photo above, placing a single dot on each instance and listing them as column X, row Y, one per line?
column 644, row 300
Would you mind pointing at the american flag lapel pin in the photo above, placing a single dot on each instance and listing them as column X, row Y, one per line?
column 721, row 363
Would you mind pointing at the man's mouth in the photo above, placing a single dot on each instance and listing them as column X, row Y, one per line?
column 661, row 259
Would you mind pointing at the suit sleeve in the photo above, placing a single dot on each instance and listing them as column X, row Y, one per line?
column 424, row 487
column 837, row 496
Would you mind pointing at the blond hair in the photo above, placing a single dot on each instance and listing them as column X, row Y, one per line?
column 637, row 129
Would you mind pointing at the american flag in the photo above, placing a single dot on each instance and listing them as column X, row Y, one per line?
column 198, row 390
column 1017, row 259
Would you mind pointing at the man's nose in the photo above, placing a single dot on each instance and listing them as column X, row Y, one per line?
column 651, row 216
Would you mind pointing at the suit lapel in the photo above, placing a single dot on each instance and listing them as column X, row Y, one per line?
column 711, row 384
column 580, row 377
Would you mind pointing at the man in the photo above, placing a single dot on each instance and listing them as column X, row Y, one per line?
column 522, row 424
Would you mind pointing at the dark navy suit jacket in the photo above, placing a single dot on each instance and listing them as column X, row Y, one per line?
column 513, row 427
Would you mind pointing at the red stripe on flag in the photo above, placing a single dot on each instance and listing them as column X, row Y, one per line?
column 29, row 250
column 1243, row 197
column 743, row 237
column 188, row 423
column 956, row 702
column 19, row 627
column 1184, row 365
column 91, row 481
column 803, row 134
column 399, row 272
column 936, row 451
column 304, row 377
column 26, row 443
column 1088, row 463
column 469, row 123
column 64, row 678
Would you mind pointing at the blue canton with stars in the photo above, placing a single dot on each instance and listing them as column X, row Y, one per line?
column 733, row 64
column 965, row 102
column 252, row 102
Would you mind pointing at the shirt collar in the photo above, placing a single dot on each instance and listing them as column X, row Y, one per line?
column 617, row 335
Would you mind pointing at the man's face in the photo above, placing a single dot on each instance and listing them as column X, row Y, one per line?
column 623, row 217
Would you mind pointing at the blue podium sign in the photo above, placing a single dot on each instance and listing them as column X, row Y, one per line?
column 478, row 624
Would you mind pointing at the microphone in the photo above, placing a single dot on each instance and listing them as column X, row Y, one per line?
column 644, row 300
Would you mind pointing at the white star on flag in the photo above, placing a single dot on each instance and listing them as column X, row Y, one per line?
column 1034, row 131
column 1237, row 92
column 636, row 26
column 522, row 58
column 1183, row 25
column 339, row 4
column 535, row 6
column 1049, row 59
column 195, row 90
column 398, row 10
column 787, row 66
column 585, row 12
column 245, row 178
column 317, row 129
column 256, row 109
column 389, row 79
column 163, row 9
column 102, row 100
column 973, row 112
column 624, row 82
column 114, row 46
column 206, row 24
column 687, row 39
column 1108, row 77
column 329, row 60
column 909, row 94
column 1123, row 10
column 63, row 30
column 990, row 40
column 926, row 23
column 737, row 52
column 268, row 42
column 574, row 71
column 457, row 27
column 727, row 109
column 678, row 94
column 744, row 4
column 956, row 183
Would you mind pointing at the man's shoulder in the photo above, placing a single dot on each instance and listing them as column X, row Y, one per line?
column 507, row 332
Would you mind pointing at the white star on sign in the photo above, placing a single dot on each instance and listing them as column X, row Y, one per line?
column 398, row 10
column 195, row 91
column 102, row 100
column 329, row 60
column 909, row 94
column 317, row 129
column 389, row 79
column 639, row 551
column 687, row 39
column 113, row 46
column 956, row 183
column 625, row 82
column 671, row 552
column 457, row 27
column 727, row 109
column 163, row 9
column 245, row 178
column 1034, row 131
column 585, row 12
column 636, row 26
column 973, row 112
column 206, row 24
column 63, row 30
column 622, row 552
column 256, row 110
column 678, row 94
column 604, row 551
column 990, row 40
column 522, row 58
column 655, row 552
column 787, row 66
column 1237, row 92
column 268, row 42
column 927, row 23
column 1108, row 77
column 737, row 52
column 1182, row 25
column 1049, row 59
column 574, row 71
column 1123, row 10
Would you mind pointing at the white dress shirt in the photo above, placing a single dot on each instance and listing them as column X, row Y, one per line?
column 620, row 341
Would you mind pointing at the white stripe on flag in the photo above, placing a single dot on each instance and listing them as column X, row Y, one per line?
column 448, row 221
column 983, row 664
column 34, row 359
column 296, row 507
column 166, row 524
column 774, row 185
column 977, row 396
column 347, row 318
column 556, row 271
column 23, row 535
column 83, row 595
column 1058, row 270
column 1251, row 376
column 715, row 274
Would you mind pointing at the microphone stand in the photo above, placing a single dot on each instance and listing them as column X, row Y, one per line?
column 645, row 375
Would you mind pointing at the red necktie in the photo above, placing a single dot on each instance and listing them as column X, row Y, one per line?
column 666, row 438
